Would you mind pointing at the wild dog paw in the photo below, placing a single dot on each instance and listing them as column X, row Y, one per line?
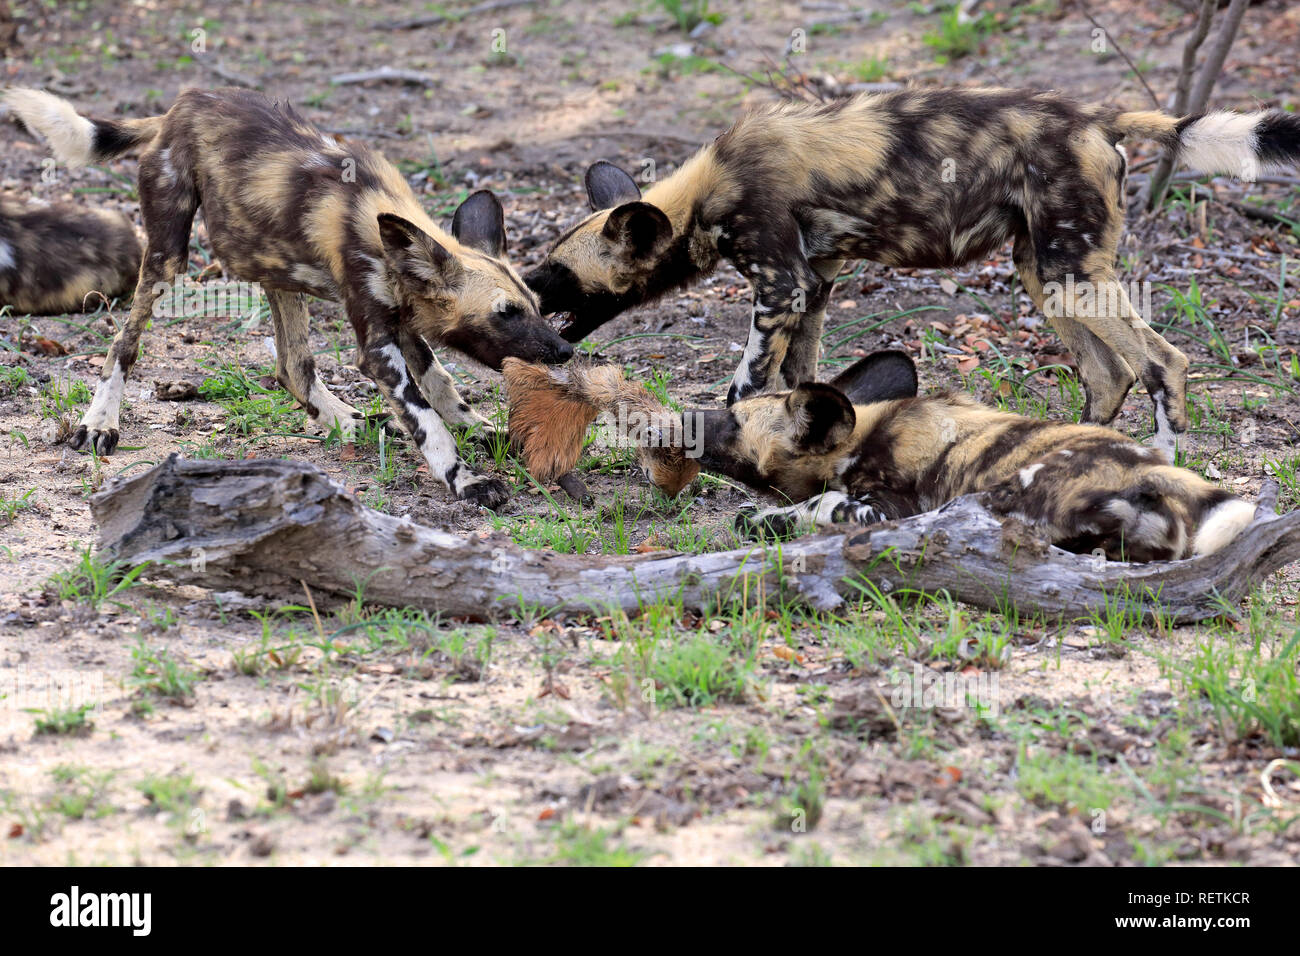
column 99, row 441
column 488, row 493
column 752, row 525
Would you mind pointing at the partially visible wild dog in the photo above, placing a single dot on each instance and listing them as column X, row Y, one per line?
column 53, row 255
column 301, row 211
column 551, row 409
column 865, row 448
column 914, row 178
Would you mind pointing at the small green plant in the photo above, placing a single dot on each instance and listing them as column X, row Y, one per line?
column 12, row 378
column 699, row 671
column 92, row 581
column 322, row 781
column 1250, row 691
column 157, row 674
column 250, row 406
column 63, row 398
column 81, row 791
column 9, row 507
column 577, row 845
column 63, row 721
column 956, row 36
column 689, row 14
column 170, row 793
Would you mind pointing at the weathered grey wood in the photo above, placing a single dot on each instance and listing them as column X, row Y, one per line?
column 266, row 526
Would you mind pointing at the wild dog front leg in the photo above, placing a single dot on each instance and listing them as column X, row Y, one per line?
column 296, row 369
column 823, row 510
column 438, row 386
column 383, row 361
column 785, row 295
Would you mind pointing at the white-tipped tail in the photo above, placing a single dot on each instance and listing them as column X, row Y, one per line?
column 1223, row 142
column 1227, row 520
column 71, row 137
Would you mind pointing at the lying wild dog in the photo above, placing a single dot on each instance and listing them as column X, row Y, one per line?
column 914, row 178
column 865, row 448
column 550, row 410
column 53, row 255
column 304, row 212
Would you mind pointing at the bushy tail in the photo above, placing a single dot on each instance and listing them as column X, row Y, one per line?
column 74, row 139
column 1233, row 144
column 549, row 415
column 1221, row 524
column 550, row 409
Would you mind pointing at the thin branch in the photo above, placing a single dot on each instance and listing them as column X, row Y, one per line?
column 1120, row 50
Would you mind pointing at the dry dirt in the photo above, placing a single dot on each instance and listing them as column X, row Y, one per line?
column 356, row 743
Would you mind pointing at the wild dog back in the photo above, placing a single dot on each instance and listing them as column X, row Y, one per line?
column 53, row 255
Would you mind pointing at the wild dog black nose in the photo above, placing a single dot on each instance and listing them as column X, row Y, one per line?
column 560, row 353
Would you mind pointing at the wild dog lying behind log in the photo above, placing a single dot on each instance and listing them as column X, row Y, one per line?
column 550, row 412
column 865, row 448
column 302, row 211
column 53, row 255
column 915, row 178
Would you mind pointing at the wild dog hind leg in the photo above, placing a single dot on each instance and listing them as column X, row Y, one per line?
column 805, row 345
column 787, row 291
column 296, row 368
column 167, row 203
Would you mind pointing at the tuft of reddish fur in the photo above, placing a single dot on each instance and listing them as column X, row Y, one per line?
column 551, row 408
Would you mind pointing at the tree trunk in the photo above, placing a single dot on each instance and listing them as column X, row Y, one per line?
column 267, row 526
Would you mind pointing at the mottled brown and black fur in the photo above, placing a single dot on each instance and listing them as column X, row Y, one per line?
column 866, row 448
column 914, row 178
column 303, row 212
column 53, row 255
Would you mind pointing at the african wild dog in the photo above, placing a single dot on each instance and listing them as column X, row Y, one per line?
column 301, row 212
column 914, row 178
column 865, row 448
column 53, row 255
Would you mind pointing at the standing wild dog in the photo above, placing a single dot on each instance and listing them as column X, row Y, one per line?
column 53, row 255
column 915, row 178
column 865, row 448
column 304, row 212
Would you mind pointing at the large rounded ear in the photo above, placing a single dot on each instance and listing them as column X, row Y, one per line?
column 879, row 377
column 822, row 417
column 609, row 186
column 639, row 230
column 480, row 223
column 415, row 259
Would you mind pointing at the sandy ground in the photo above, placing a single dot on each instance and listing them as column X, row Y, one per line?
column 356, row 739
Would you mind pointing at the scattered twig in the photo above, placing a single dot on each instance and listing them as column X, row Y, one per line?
column 1120, row 50
column 386, row 74
column 433, row 19
column 233, row 77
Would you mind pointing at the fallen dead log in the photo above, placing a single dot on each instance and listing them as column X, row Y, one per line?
column 266, row 526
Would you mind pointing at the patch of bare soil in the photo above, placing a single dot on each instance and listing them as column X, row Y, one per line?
column 231, row 731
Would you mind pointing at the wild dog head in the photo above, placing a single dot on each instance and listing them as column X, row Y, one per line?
column 795, row 442
column 468, row 297
column 608, row 262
